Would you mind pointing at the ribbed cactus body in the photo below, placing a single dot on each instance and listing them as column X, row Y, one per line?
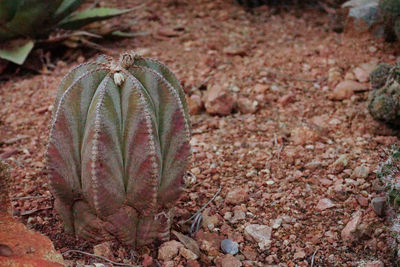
column 384, row 100
column 118, row 149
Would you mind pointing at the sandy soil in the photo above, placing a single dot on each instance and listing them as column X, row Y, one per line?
column 280, row 160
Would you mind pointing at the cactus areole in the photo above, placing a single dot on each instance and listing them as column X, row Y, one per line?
column 118, row 149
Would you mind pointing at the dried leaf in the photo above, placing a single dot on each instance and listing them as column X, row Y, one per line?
column 190, row 243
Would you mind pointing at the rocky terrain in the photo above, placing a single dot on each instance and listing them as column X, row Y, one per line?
column 283, row 144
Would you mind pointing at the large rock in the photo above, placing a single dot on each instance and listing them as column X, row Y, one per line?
column 246, row 106
column 361, row 172
column 259, row 233
column 169, row 250
column 104, row 250
column 363, row 71
column 349, row 231
column 28, row 247
column 376, row 263
column 361, row 74
column 219, row 101
column 324, row 204
column 346, row 89
column 230, row 261
column 20, row 246
column 378, row 204
column 194, row 104
column 237, row 196
column 303, row 135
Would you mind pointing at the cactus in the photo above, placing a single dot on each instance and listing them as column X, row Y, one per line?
column 379, row 75
column 388, row 173
column 118, row 149
column 384, row 102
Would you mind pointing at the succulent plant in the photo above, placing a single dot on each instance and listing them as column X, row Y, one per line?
column 384, row 102
column 381, row 16
column 388, row 173
column 36, row 19
column 118, row 149
column 379, row 75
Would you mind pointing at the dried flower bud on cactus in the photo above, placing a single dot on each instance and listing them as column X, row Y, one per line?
column 118, row 149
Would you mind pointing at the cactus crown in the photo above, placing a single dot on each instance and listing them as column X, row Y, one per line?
column 118, row 149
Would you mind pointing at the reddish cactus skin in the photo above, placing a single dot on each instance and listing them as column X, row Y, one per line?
column 118, row 149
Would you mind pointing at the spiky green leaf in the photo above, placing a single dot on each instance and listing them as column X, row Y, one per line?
column 87, row 16
column 141, row 147
column 33, row 17
column 17, row 54
column 66, row 8
column 8, row 9
column 102, row 161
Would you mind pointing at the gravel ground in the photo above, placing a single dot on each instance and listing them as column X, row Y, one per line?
column 294, row 158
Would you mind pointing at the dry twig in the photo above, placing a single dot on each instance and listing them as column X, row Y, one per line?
column 313, row 257
column 204, row 206
column 29, row 212
column 99, row 257
column 27, row 197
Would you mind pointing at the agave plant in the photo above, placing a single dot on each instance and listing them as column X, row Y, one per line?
column 118, row 149
column 36, row 19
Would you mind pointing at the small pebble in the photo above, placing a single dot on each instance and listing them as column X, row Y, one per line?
column 5, row 251
column 378, row 204
column 229, row 247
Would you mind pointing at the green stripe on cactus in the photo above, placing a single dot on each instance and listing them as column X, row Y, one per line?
column 141, row 149
column 102, row 174
column 168, row 75
column 66, row 8
column 172, row 128
column 74, row 74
